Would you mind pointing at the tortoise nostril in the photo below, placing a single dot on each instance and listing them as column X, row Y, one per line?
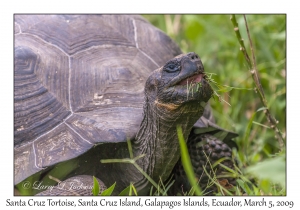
column 193, row 57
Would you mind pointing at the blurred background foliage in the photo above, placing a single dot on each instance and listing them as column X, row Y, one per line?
column 212, row 37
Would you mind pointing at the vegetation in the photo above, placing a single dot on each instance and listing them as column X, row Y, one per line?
column 239, row 106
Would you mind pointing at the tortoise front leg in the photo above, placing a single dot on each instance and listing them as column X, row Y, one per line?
column 204, row 151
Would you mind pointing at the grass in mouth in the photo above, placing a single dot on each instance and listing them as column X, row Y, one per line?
column 218, row 88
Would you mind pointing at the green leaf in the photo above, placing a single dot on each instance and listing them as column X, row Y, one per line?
column 244, row 186
column 95, row 189
column 272, row 169
column 240, row 183
column 265, row 185
column 109, row 190
column 128, row 190
column 125, row 192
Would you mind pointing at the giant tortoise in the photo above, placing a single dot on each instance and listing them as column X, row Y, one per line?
column 84, row 84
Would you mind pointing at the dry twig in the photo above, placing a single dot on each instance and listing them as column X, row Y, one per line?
column 254, row 73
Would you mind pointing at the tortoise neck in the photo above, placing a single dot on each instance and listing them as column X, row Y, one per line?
column 157, row 137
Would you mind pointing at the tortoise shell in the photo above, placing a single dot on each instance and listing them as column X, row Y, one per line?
column 79, row 81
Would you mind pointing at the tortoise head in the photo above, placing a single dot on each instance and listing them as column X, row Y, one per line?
column 181, row 80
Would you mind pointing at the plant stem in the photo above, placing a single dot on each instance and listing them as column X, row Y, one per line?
column 254, row 73
column 133, row 161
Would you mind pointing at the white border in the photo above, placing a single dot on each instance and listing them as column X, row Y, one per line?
column 153, row 6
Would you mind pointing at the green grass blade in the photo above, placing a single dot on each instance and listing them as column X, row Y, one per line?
column 95, row 189
column 186, row 162
column 168, row 187
column 261, row 109
column 148, row 177
column 128, row 190
column 257, row 123
column 109, row 190
column 129, row 148
column 125, row 192
column 133, row 188
column 247, row 133
column 225, row 89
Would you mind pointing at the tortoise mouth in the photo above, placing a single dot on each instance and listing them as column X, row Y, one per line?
column 196, row 78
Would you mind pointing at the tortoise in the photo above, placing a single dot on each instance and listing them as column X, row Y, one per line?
column 84, row 84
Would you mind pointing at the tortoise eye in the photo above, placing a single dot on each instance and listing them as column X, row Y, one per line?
column 172, row 67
